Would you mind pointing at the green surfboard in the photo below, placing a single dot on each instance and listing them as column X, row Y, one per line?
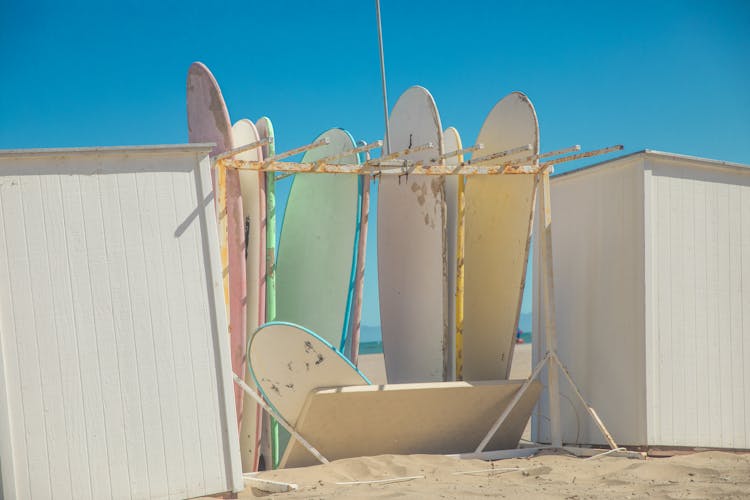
column 317, row 252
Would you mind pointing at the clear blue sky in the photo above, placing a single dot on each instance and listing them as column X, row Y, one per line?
column 667, row 75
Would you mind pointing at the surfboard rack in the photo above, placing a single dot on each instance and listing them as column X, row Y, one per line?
column 359, row 149
column 501, row 154
column 461, row 152
column 242, row 149
column 292, row 152
column 395, row 164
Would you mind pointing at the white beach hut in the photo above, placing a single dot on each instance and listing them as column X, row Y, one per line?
column 114, row 352
column 651, row 256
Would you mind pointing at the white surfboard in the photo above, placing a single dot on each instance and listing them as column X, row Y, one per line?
column 252, row 185
column 412, row 258
column 499, row 211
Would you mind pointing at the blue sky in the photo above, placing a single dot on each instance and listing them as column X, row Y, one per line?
column 668, row 75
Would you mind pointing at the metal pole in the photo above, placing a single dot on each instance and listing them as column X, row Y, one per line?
column 382, row 77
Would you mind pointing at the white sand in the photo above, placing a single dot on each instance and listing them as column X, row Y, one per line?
column 700, row 475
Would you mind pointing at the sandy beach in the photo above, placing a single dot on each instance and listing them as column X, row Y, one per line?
column 709, row 474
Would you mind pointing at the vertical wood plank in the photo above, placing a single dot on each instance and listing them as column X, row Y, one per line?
column 54, row 432
column 14, row 451
column 744, row 216
column 162, row 269
column 81, row 297
column 26, row 342
column 676, row 360
column 201, row 346
column 66, row 337
column 713, row 312
column 663, row 402
column 149, row 414
column 103, row 337
column 738, row 391
column 159, row 348
column 187, row 388
column 702, row 385
column 650, row 291
column 722, row 335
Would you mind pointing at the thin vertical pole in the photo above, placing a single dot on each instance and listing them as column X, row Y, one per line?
column 387, row 148
column 359, row 280
column 553, row 386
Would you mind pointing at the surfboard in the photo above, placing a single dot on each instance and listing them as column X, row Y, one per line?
column 499, row 212
column 293, row 361
column 208, row 121
column 287, row 361
column 317, row 249
column 452, row 142
column 253, row 205
column 269, row 437
column 412, row 253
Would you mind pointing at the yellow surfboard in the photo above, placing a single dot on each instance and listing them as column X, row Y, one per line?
column 499, row 212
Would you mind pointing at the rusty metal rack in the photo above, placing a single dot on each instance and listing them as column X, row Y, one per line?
column 398, row 164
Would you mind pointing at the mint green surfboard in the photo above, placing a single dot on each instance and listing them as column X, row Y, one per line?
column 317, row 249
column 315, row 267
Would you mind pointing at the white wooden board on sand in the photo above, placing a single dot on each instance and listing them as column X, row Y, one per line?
column 334, row 407
column 412, row 259
column 114, row 353
column 499, row 212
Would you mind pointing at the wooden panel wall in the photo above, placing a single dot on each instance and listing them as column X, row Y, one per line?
column 698, row 336
column 112, row 335
column 597, row 240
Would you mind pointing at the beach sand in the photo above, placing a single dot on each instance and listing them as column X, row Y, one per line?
column 708, row 474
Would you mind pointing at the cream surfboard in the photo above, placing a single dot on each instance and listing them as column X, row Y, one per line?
column 253, row 205
column 287, row 361
column 269, row 438
column 317, row 249
column 412, row 258
column 452, row 142
column 208, row 121
column 499, row 212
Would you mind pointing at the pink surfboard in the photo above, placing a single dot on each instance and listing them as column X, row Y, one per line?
column 208, row 121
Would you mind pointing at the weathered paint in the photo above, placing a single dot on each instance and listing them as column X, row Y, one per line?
column 498, row 230
column 208, row 121
column 412, row 254
column 454, row 194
